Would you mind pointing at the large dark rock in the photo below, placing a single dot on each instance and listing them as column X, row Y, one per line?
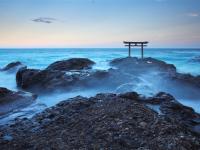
column 10, row 100
column 40, row 81
column 162, row 70
column 188, row 78
column 136, row 65
column 195, row 59
column 24, row 77
column 45, row 80
column 106, row 121
column 71, row 64
column 14, row 66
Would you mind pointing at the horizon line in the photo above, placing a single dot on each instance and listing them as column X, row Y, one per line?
column 97, row 48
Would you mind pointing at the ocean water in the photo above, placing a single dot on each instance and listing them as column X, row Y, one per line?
column 41, row 58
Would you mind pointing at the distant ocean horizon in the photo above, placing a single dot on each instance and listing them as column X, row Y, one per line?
column 41, row 57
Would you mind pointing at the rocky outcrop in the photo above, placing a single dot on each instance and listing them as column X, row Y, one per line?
column 106, row 121
column 166, row 71
column 71, row 64
column 127, row 70
column 188, row 78
column 195, row 59
column 10, row 100
column 61, row 74
column 136, row 65
column 176, row 111
column 52, row 80
column 13, row 67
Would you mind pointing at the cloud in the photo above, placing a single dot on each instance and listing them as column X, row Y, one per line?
column 160, row 0
column 193, row 14
column 44, row 20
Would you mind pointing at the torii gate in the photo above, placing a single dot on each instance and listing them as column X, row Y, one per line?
column 134, row 44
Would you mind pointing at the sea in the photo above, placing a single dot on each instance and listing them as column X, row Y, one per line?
column 40, row 58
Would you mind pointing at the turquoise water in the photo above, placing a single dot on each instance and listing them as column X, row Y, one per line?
column 41, row 58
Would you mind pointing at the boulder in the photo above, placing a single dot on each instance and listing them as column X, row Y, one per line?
column 24, row 77
column 188, row 79
column 175, row 111
column 71, row 64
column 14, row 66
column 51, row 80
column 195, row 59
column 10, row 100
column 136, row 65
column 45, row 80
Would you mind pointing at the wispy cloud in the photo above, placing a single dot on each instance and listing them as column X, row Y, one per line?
column 193, row 14
column 160, row 0
column 44, row 20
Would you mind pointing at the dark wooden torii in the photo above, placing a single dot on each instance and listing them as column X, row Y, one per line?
column 136, row 44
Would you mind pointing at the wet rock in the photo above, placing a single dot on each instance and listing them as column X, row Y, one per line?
column 188, row 79
column 51, row 80
column 160, row 98
column 143, row 124
column 196, row 129
column 14, row 66
column 71, row 64
column 195, row 59
column 45, row 80
column 24, row 77
column 7, row 138
column 10, row 100
column 136, row 65
column 73, row 74
column 107, row 121
column 176, row 111
column 130, row 95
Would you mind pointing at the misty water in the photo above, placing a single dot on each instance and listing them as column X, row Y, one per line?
column 147, row 85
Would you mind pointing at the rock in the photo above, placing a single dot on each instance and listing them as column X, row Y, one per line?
column 14, row 66
column 130, row 95
column 188, row 79
column 7, row 138
column 106, row 121
column 51, row 80
column 10, row 100
column 196, row 129
column 195, row 59
column 160, row 98
column 36, row 80
column 128, row 73
column 136, row 65
column 24, row 77
column 143, row 124
column 175, row 111
column 71, row 64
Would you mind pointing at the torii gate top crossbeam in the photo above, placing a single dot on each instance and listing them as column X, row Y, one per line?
column 125, row 42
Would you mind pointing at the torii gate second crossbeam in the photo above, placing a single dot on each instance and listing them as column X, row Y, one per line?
column 136, row 44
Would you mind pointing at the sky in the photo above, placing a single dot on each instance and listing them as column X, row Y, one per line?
column 99, row 23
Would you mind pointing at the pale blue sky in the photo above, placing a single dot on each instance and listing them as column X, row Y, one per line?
column 99, row 23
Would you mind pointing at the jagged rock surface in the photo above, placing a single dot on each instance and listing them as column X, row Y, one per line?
column 71, row 64
column 106, row 121
column 10, row 100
